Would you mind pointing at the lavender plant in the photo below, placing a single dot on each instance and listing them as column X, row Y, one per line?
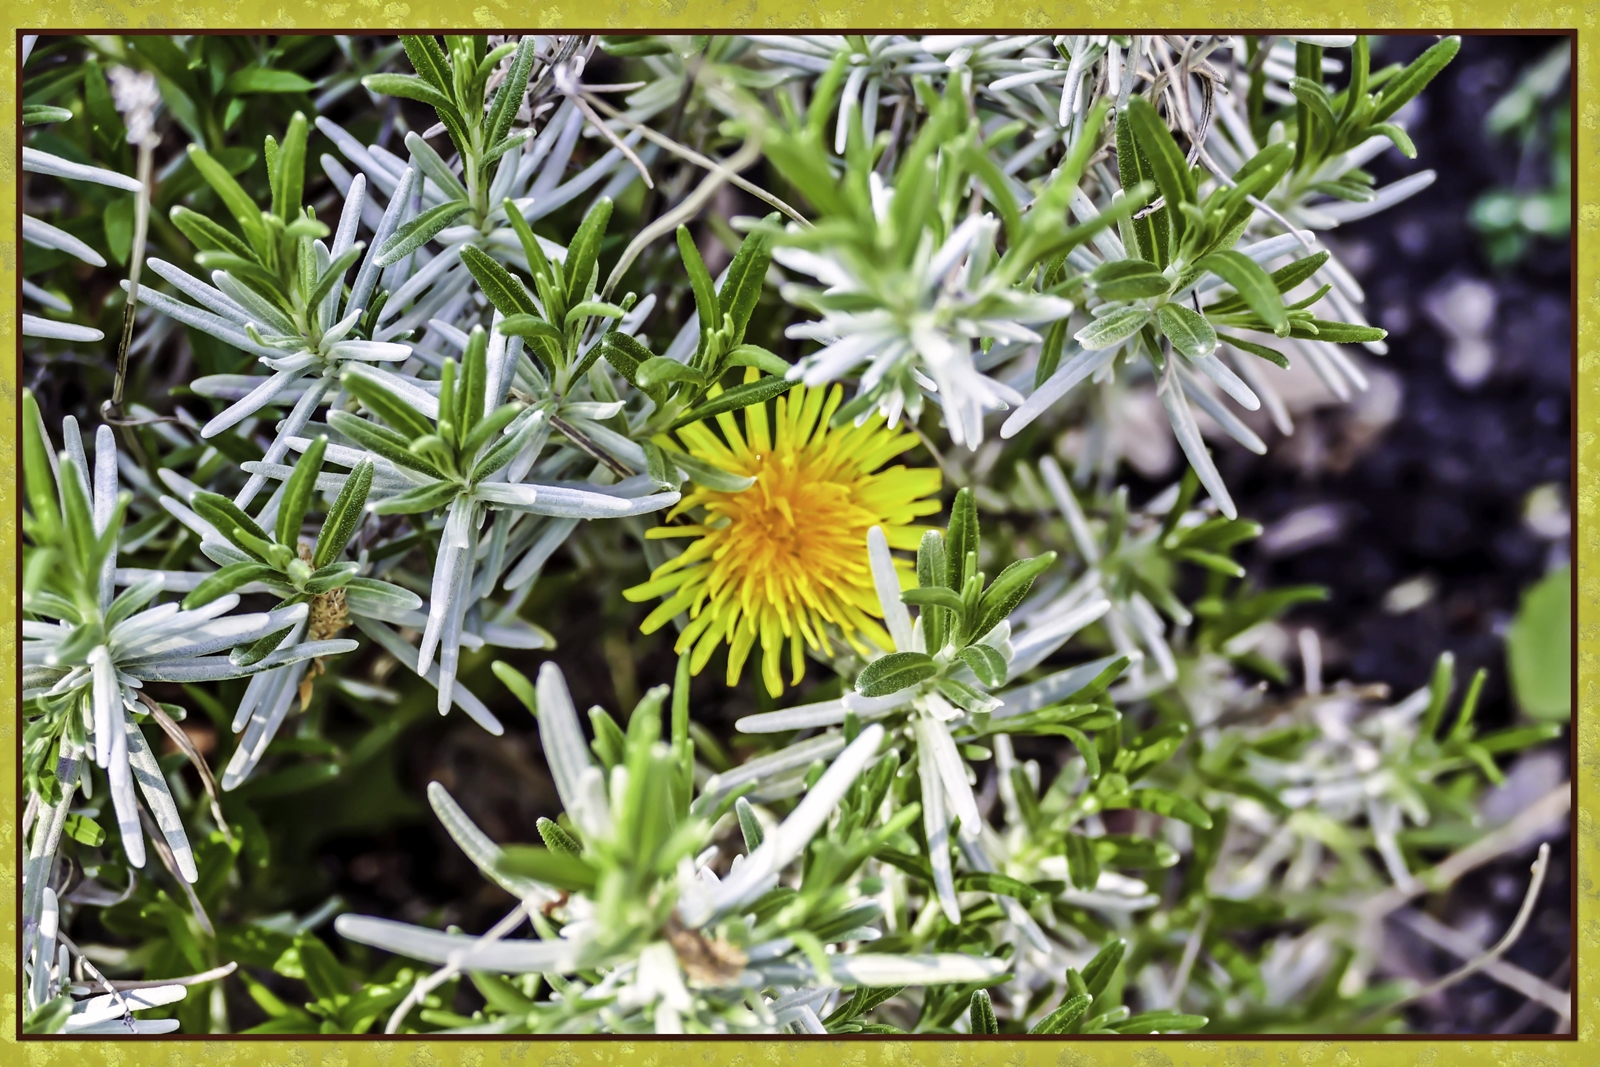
column 1049, row 773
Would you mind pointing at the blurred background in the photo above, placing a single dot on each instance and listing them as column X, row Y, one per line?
column 1436, row 509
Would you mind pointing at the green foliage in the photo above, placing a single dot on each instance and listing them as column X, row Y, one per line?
column 1537, row 114
column 1539, row 648
column 1079, row 795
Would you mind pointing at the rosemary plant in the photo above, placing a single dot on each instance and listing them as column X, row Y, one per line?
column 510, row 360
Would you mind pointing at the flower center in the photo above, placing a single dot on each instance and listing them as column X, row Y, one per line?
column 796, row 528
column 782, row 564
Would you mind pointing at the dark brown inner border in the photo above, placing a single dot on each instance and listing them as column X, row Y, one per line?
column 1572, row 509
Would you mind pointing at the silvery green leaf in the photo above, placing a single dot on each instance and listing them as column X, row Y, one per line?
column 153, row 784
column 37, row 162
column 1188, row 433
column 463, row 698
column 40, row 989
column 532, row 562
column 112, row 1007
column 201, row 637
column 35, row 326
column 702, row 473
column 451, row 637
column 936, row 746
column 121, row 1026
column 790, row 838
column 502, row 360
column 517, row 634
column 462, row 951
column 529, row 432
column 204, row 321
column 418, row 282
column 222, row 553
column 1229, row 382
column 483, row 853
column 872, row 969
column 237, row 386
column 382, row 176
column 1318, row 358
column 823, row 713
column 1067, row 501
column 408, row 390
column 978, row 859
column 263, row 314
column 218, row 668
column 416, row 620
column 381, row 600
column 45, row 297
column 452, row 287
column 936, row 830
column 38, row 679
column 210, row 297
column 259, row 397
column 107, row 696
column 800, row 754
column 41, row 233
column 1230, row 423
column 1046, row 634
column 344, row 235
column 1332, row 40
column 119, row 775
column 385, row 480
column 1187, row 329
column 299, row 416
column 1112, row 329
column 1113, row 892
column 1080, row 367
column 1152, row 632
column 267, row 701
column 377, row 351
column 450, row 572
column 886, row 580
column 580, row 183
column 593, row 410
column 367, row 274
column 570, row 503
column 344, row 455
column 1350, row 210
column 608, row 439
column 1052, row 688
column 566, row 752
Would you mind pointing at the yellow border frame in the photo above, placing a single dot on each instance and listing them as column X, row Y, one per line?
column 1582, row 1049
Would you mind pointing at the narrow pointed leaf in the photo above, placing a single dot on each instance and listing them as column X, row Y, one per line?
column 297, row 493
column 583, row 253
column 1188, row 330
column 419, row 231
column 894, row 672
column 504, row 291
column 1253, row 285
column 344, row 516
column 740, row 396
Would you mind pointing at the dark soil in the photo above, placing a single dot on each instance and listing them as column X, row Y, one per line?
column 1441, row 493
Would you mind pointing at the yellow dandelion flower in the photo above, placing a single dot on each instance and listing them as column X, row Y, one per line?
column 784, row 562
